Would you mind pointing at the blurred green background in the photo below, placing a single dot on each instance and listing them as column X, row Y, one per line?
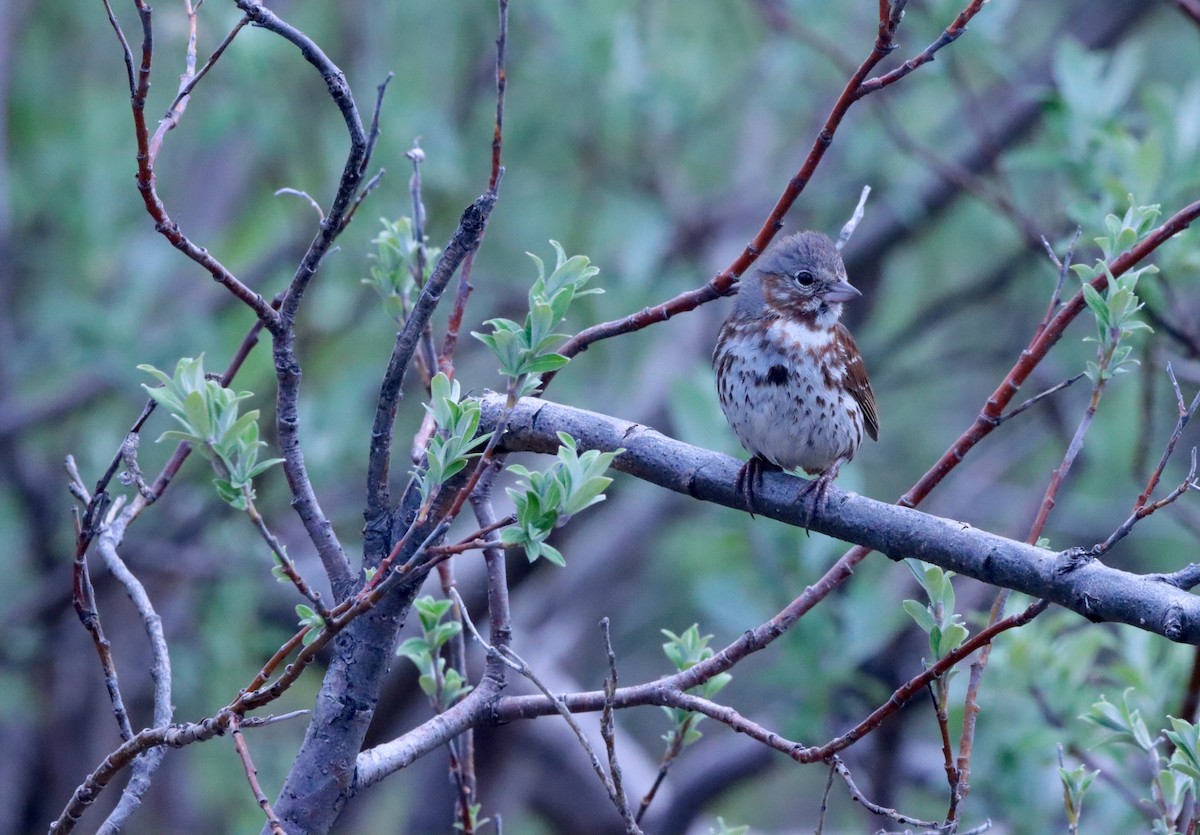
column 654, row 137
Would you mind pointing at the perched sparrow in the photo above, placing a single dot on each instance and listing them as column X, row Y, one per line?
column 792, row 383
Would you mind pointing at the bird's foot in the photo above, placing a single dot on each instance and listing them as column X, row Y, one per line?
column 748, row 477
column 819, row 487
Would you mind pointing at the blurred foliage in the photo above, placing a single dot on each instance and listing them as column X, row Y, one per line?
column 654, row 137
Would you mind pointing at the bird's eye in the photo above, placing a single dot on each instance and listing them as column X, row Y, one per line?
column 804, row 278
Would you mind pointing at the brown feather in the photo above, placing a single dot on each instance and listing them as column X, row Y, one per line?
column 857, row 383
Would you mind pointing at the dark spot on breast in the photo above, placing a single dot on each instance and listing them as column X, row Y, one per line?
column 777, row 375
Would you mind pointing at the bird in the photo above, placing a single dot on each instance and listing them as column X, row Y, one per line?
column 791, row 381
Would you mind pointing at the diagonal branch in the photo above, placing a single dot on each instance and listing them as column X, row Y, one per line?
column 721, row 284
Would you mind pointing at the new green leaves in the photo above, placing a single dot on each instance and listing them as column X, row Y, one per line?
column 545, row 501
column 524, row 351
column 454, row 443
column 1075, row 783
column 443, row 686
column 208, row 414
column 1176, row 778
column 937, row 617
column 395, row 274
column 684, row 652
column 1115, row 308
column 310, row 620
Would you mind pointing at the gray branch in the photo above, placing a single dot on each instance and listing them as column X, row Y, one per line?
column 1073, row 578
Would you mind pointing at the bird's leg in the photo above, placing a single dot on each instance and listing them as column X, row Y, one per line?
column 750, row 474
column 820, row 486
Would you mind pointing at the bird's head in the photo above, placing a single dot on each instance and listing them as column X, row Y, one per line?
column 802, row 277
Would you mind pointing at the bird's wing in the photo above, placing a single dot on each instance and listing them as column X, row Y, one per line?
column 858, row 384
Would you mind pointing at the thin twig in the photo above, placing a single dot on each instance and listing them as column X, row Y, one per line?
column 1037, row 398
column 1185, row 414
column 825, row 802
column 1191, row 8
column 306, row 196
column 608, row 730
column 243, row 751
column 518, row 664
column 874, row 808
column 186, row 89
column 501, row 85
column 285, row 563
column 914, row 685
column 462, row 749
column 940, row 696
column 373, row 131
column 426, row 355
column 189, row 79
column 466, row 238
column 1063, row 267
column 1189, row 483
column 855, row 89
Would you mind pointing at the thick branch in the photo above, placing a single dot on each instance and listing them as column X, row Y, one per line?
column 1072, row 578
column 465, row 240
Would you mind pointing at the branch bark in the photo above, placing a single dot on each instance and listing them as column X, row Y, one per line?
column 1072, row 578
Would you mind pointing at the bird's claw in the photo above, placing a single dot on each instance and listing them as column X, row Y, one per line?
column 748, row 477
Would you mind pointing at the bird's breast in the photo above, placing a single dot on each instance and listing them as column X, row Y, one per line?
column 782, row 396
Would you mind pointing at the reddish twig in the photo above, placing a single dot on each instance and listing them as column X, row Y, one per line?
column 1141, row 512
column 477, row 540
column 501, row 85
column 939, row 696
column 462, row 294
column 952, row 33
column 190, row 83
column 1045, row 339
column 1185, row 414
column 140, row 86
column 243, row 751
column 285, row 562
column 856, row 88
column 910, row 688
column 189, row 79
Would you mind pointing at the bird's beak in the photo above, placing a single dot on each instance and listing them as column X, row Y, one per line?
column 843, row 291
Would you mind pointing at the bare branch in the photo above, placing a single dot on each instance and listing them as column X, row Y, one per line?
column 306, row 196
column 874, row 808
column 1039, row 397
column 608, row 732
column 239, row 743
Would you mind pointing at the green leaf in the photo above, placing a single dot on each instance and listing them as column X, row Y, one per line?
column 920, row 614
column 552, row 554
column 414, row 649
column 545, row 363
